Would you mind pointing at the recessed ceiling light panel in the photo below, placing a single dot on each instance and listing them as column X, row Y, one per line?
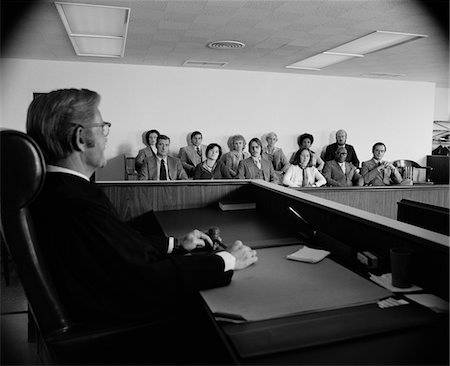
column 359, row 47
column 95, row 30
column 204, row 63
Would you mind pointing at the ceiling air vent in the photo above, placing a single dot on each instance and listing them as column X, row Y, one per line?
column 382, row 75
column 226, row 45
column 204, row 63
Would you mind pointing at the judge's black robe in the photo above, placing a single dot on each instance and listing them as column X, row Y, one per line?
column 102, row 267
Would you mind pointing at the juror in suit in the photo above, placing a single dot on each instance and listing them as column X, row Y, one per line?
column 256, row 167
column 194, row 154
column 341, row 140
column 377, row 172
column 340, row 173
column 162, row 166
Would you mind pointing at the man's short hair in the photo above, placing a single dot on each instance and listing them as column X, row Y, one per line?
column 255, row 139
column 304, row 136
column 212, row 146
column 162, row 137
column 195, row 133
column 53, row 118
column 378, row 144
column 336, row 153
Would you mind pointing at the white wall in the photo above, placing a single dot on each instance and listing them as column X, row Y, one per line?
column 219, row 103
column 442, row 105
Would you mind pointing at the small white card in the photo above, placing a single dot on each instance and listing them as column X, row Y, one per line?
column 309, row 255
column 385, row 280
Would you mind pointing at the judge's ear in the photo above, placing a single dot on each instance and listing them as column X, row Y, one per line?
column 78, row 141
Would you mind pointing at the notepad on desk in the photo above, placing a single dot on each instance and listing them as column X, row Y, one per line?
column 232, row 205
column 309, row 255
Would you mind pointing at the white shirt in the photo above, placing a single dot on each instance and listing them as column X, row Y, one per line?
column 257, row 161
column 342, row 165
column 228, row 259
column 294, row 177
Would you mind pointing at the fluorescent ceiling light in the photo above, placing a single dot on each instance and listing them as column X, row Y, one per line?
column 95, row 30
column 376, row 41
column 372, row 42
column 317, row 62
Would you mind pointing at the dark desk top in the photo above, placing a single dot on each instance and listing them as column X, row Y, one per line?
column 253, row 228
column 356, row 328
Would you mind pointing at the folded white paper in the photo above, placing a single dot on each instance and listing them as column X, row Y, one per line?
column 385, row 280
column 309, row 255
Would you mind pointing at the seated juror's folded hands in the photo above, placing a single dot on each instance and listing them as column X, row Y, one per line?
column 245, row 256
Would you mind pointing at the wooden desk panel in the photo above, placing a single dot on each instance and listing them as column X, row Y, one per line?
column 383, row 200
column 134, row 198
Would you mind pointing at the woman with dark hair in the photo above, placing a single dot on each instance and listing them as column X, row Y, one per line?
column 212, row 167
column 150, row 140
column 305, row 140
column 301, row 173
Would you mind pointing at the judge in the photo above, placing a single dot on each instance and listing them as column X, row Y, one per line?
column 102, row 268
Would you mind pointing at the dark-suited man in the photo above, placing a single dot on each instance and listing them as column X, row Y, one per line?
column 192, row 155
column 103, row 269
column 377, row 172
column 340, row 173
column 341, row 140
column 162, row 166
column 256, row 167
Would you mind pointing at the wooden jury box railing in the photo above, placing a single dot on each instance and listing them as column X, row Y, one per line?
column 133, row 198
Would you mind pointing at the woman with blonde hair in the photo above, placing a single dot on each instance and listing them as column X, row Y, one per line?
column 231, row 159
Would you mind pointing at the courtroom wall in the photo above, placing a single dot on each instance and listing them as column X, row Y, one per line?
column 442, row 104
column 219, row 103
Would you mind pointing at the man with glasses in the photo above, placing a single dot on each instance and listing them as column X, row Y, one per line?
column 102, row 268
column 341, row 173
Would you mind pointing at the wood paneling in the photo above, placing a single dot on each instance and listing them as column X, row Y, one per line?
column 134, row 198
column 383, row 200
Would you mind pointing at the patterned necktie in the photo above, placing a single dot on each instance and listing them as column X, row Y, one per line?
column 162, row 171
column 305, row 178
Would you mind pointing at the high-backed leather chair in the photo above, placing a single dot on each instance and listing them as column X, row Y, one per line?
column 62, row 341
column 411, row 170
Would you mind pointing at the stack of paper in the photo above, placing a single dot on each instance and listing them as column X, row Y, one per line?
column 309, row 255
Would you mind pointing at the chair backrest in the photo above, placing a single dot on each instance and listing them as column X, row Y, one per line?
column 412, row 170
column 22, row 177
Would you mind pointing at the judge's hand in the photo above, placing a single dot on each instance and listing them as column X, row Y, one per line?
column 244, row 255
column 194, row 239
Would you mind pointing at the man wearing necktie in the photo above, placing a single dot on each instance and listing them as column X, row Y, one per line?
column 340, row 173
column 162, row 166
column 377, row 172
column 194, row 154
column 256, row 167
